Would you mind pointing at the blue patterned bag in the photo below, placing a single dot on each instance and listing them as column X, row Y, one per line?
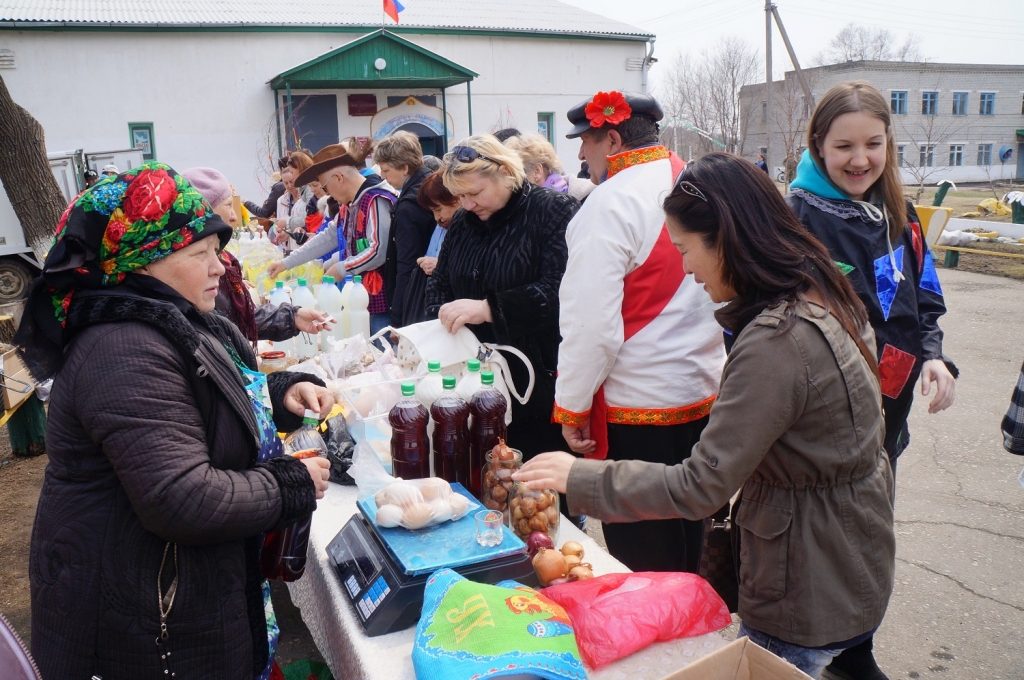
column 471, row 631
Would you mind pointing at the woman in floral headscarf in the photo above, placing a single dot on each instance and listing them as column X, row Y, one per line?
column 165, row 471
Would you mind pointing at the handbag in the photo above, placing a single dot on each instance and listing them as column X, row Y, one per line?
column 431, row 341
column 720, row 554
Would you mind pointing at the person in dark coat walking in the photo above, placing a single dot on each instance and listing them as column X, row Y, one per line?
column 400, row 158
column 165, row 470
column 269, row 208
column 499, row 271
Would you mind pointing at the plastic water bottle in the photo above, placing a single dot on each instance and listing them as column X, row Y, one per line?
column 358, row 316
column 432, row 386
column 305, row 344
column 346, row 306
column 330, row 304
column 279, row 296
column 470, row 383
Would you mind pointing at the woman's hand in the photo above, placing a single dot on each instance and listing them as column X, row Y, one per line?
column 945, row 385
column 578, row 438
column 275, row 268
column 311, row 321
column 427, row 264
column 319, row 471
column 307, row 395
column 546, row 471
column 459, row 313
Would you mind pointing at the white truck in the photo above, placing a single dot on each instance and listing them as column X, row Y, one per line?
column 18, row 264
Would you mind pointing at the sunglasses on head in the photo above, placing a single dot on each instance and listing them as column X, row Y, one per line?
column 690, row 190
column 467, row 154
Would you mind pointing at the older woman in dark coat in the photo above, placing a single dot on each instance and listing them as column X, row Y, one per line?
column 165, row 470
column 499, row 270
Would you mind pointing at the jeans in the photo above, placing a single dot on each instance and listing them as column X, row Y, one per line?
column 378, row 321
column 810, row 661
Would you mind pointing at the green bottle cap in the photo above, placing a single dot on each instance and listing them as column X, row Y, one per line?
column 434, row 366
column 487, row 378
column 408, row 389
column 310, row 417
column 279, row 284
column 358, row 279
column 473, row 365
column 302, row 282
column 328, row 280
column 449, row 382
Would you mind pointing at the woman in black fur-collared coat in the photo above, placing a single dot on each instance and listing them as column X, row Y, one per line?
column 499, row 271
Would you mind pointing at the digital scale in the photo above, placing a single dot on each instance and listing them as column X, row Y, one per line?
column 384, row 571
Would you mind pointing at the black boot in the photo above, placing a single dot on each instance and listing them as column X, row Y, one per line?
column 855, row 663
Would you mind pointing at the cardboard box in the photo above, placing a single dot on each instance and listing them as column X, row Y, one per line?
column 740, row 660
column 17, row 383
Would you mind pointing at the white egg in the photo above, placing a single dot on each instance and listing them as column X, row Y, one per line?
column 381, row 497
column 389, row 516
column 403, row 494
column 441, row 510
column 459, row 505
column 433, row 488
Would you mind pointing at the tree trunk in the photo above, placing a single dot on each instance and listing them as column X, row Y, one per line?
column 25, row 173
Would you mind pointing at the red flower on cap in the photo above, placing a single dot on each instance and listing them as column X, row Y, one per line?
column 149, row 196
column 608, row 107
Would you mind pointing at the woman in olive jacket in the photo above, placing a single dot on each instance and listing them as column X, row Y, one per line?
column 797, row 425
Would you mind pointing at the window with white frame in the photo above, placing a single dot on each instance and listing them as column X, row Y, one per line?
column 901, row 151
column 927, row 158
column 988, row 104
column 960, row 103
column 929, row 103
column 898, row 102
column 984, row 154
column 956, row 154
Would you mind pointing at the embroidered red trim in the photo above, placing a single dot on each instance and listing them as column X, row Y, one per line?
column 628, row 159
column 565, row 417
column 660, row 416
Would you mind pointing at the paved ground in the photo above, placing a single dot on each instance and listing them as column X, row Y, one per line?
column 958, row 608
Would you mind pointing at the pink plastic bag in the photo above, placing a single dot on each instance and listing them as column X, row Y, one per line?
column 618, row 614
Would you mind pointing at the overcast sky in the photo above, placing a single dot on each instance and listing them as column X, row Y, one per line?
column 967, row 31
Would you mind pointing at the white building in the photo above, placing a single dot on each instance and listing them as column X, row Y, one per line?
column 212, row 83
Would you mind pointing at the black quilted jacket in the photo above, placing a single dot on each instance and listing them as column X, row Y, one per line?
column 151, row 440
column 515, row 260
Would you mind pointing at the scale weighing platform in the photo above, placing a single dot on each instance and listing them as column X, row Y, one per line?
column 384, row 571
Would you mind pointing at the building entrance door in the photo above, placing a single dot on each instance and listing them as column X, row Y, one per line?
column 431, row 143
column 314, row 121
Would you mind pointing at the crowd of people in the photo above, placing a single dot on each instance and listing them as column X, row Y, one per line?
column 700, row 343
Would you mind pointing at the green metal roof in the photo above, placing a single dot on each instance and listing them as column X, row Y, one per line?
column 352, row 67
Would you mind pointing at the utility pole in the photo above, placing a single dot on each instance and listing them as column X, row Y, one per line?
column 768, row 7
column 792, row 57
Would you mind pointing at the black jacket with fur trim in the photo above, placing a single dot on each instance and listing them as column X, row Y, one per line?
column 152, row 441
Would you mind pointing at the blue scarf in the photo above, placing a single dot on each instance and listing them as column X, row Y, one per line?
column 812, row 179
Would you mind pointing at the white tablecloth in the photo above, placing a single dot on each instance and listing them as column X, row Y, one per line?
column 352, row 655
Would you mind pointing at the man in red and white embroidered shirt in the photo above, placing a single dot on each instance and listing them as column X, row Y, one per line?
column 641, row 354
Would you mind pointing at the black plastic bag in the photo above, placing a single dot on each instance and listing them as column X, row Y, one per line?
column 340, row 446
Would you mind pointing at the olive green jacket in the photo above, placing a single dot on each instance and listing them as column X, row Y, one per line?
column 798, row 425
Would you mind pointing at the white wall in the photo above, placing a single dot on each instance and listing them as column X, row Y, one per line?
column 208, row 98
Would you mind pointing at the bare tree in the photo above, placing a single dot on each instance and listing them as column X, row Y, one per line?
column 926, row 134
column 790, row 115
column 704, row 93
column 862, row 43
column 25, row 173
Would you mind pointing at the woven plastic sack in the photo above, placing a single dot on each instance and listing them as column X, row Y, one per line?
column 475, row 630
column 618, row 614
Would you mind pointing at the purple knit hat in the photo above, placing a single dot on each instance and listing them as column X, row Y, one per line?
column 210, row 183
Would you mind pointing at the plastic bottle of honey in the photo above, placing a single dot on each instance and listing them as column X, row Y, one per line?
column 487, row 407
column 410, row 446
column 451, row 435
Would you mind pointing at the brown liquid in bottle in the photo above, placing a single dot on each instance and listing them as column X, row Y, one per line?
column 410, row 446
column 451, row 436
column 488, row 410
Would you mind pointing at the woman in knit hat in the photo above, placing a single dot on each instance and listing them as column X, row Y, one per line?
column 165, row 471
column 264, row 322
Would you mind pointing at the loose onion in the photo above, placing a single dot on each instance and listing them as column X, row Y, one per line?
column 549, row 565
column 502, row 452
column 538, row 540
column 572, row 561
column 572, row 548
column 559, row 581
column 581, row 572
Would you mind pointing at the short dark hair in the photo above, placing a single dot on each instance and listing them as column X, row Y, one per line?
column 506, row 133
column 637, row 130
column 433, row 193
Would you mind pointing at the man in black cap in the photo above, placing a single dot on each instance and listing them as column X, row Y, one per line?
column 641, row 354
